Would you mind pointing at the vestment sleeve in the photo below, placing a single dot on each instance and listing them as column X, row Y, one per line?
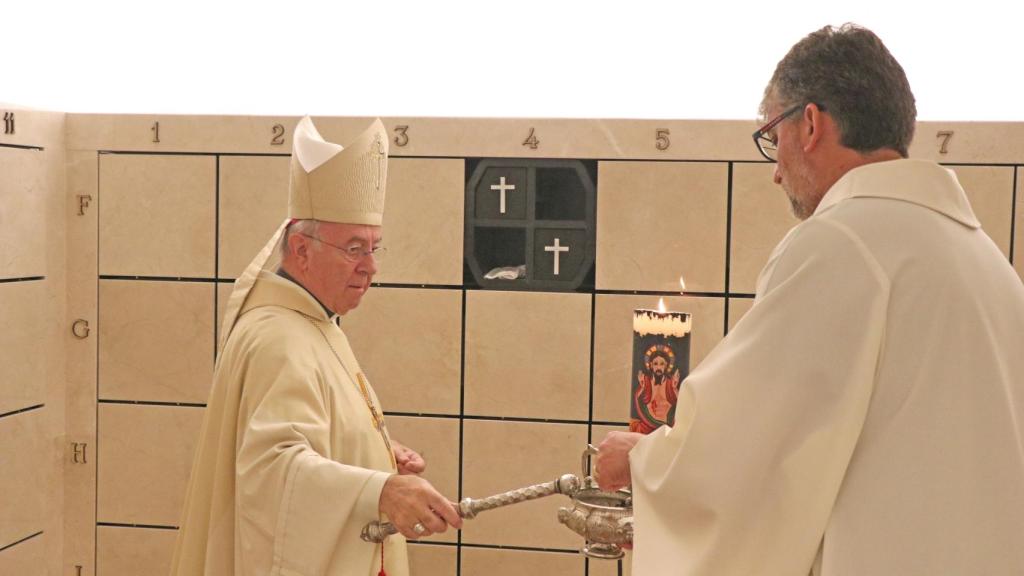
column 765, row 427
column 287, row 487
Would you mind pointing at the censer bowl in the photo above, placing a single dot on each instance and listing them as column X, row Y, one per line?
column 604, row 519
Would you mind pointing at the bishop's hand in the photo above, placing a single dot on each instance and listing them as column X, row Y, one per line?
column 416, row 508
column 408, row 460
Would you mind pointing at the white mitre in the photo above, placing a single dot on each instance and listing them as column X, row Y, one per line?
column 329, row 183
column 335, row 184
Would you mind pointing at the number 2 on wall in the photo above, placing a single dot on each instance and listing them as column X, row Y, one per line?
column 278, row 132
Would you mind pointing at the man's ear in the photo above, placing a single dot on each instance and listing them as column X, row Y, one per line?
column 813, row 127
column 298, row 251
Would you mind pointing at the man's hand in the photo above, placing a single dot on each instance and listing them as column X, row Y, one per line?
column 410, row 501
column 409, row 461
column 612, row 468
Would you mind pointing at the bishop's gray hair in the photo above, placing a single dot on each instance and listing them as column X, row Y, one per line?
column 304, row 227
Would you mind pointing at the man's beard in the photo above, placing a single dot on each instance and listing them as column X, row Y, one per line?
column 798, row 176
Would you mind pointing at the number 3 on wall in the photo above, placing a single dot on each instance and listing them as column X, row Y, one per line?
column 401, row 135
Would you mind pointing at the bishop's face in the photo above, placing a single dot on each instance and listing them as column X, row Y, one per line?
column 335, row 276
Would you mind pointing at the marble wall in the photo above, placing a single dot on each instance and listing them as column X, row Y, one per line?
column 32, row 340
column 498, row 388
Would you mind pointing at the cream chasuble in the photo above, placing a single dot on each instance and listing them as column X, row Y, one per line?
column 290, row 464
column 865, row 417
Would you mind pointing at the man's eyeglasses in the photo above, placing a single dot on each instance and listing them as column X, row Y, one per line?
column 355, row 252
column 767, row 141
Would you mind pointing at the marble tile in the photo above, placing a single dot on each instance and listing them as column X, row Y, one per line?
column 134, row 551
column 253, row 203
column 157, row 215
column 144, row 461
column 657, row 221
column 25, row 559
column 613, row 344
column 24, row 458
column 409, row 343
column 993, row 142
column 990, row 191
column 761, row 216
column 426, row 560
column 24, row 190
column 502, row 456
column 33, row 127
column 241, row 134
column 527, row 354
column 155, row 340
column 22, row 359
column 968, row 142
column 437, row 440
column 1018, row 241
column 560, row 138
column 599, row 431
column 423, row 221
column 738, row 307
column 611, row 567
column 78, row 508
column 491, row 562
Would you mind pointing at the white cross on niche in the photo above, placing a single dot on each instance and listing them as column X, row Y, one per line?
column 502, row 187
column 557, row 249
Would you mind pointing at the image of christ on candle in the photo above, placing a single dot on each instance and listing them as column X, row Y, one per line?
column 657, row 389
column 661, row 361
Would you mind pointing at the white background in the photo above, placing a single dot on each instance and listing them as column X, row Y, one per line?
column 623, row 59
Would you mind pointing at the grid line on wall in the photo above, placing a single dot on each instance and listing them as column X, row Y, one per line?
column 184, row 153
column 150, row 403
column 23, row 147
column 145, row 526
column 462, row 422
column 158, row 278
column 418, row 286
column 728, row 246
column 441, row 544
column 216, row 256
column 22, row 410
column 1013, row 212
column 22, row 279
column 590, row 397
column 21, row 541
column 520, row 548
column 96, row 396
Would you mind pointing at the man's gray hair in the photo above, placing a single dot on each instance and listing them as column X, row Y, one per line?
column 304, row 227
column 850, row 74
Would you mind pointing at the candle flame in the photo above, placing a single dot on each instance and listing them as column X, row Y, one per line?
column 661, row 305
column 682, row 285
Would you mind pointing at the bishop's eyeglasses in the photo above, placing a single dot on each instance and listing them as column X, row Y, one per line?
column 354, row 252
